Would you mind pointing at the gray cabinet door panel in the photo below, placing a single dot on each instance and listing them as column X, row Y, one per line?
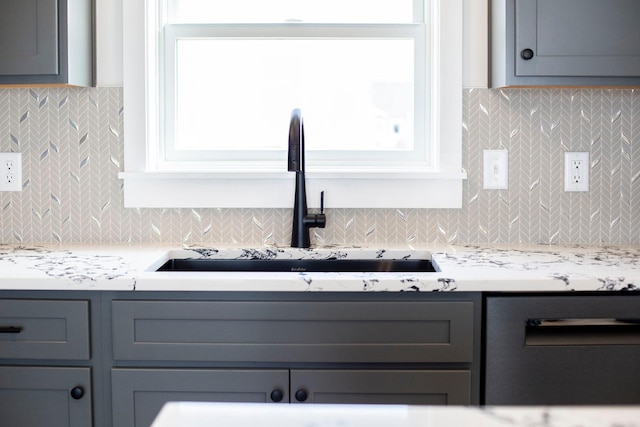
column 44, row 329
column 578, row 37
column 46, row 42
column 138, row 394
column 412, row 387
column 28, row 37
column 300, row 331
column 40, row 397
column 568, row 43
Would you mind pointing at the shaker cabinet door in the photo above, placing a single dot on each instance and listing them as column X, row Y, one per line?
column 46, row 42
column 139, row 394
column 45, row 397
column 568, row 43
column 28, row 37
column 577, row 38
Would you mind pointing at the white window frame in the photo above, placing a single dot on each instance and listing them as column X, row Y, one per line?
column 439, row 186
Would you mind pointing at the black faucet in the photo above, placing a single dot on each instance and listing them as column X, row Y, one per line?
column 302, row 221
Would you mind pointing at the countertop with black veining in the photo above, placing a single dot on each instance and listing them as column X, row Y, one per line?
column 517, row 268
column 198, row 414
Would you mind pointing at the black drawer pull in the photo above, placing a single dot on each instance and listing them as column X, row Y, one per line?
column 10, row 329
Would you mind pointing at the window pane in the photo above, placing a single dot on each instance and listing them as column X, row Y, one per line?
column 279, row 11
column 238, row 94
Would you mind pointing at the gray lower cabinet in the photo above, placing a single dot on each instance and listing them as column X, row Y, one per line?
column 36, row 337
column 565, row 43
column 83, row 359
column 301, row 349
column 138, row 394
column 45, row 397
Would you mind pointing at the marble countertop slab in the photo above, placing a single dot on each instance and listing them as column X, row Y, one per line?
column 189, row 414
column 86, row 267
column 516, row 268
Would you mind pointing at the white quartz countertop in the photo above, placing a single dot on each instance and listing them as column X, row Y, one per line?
column 516, row 268
column 189, row 414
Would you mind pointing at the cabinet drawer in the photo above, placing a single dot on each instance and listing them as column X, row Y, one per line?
column 294, row 331
column 44, row 329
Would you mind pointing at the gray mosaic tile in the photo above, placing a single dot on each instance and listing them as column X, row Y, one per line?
column 72, row 145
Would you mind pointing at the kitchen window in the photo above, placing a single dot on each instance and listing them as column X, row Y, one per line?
column 210, row 85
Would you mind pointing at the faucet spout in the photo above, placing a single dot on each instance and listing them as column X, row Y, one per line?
column 302, row 221
column 296, row 142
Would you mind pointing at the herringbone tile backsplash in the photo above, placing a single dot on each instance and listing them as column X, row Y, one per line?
column 72, row 145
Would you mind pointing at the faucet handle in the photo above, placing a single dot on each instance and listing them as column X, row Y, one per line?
column 316, row 220
column 321, row 218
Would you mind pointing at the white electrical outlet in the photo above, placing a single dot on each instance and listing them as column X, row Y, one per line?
column 495, row 169
column 10, row 171
column 576, row 171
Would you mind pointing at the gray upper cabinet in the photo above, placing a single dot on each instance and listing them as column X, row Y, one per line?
column 565, row 43
column 46, row 42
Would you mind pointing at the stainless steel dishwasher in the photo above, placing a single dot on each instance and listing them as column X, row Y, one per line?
column 562, row 350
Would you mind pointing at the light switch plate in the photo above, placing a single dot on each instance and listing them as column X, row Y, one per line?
column 495, row 169
column 10, row 171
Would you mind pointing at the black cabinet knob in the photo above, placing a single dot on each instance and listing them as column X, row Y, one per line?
column 277, row 395
column 77, row 392
column 526, row 54
column 301, row 395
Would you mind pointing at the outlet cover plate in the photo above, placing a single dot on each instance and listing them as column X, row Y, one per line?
column 10, row 171
column 576, row 171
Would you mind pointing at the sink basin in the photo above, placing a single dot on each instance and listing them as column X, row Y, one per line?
column 300, row 265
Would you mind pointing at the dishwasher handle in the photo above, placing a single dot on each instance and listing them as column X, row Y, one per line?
column 582, row 331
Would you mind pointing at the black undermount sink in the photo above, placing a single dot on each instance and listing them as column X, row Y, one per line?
column 300, row 265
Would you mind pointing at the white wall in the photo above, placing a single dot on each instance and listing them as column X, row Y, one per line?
column 475, row 62
column 109, row 43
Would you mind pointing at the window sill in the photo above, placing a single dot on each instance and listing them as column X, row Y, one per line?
column 389, row 189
